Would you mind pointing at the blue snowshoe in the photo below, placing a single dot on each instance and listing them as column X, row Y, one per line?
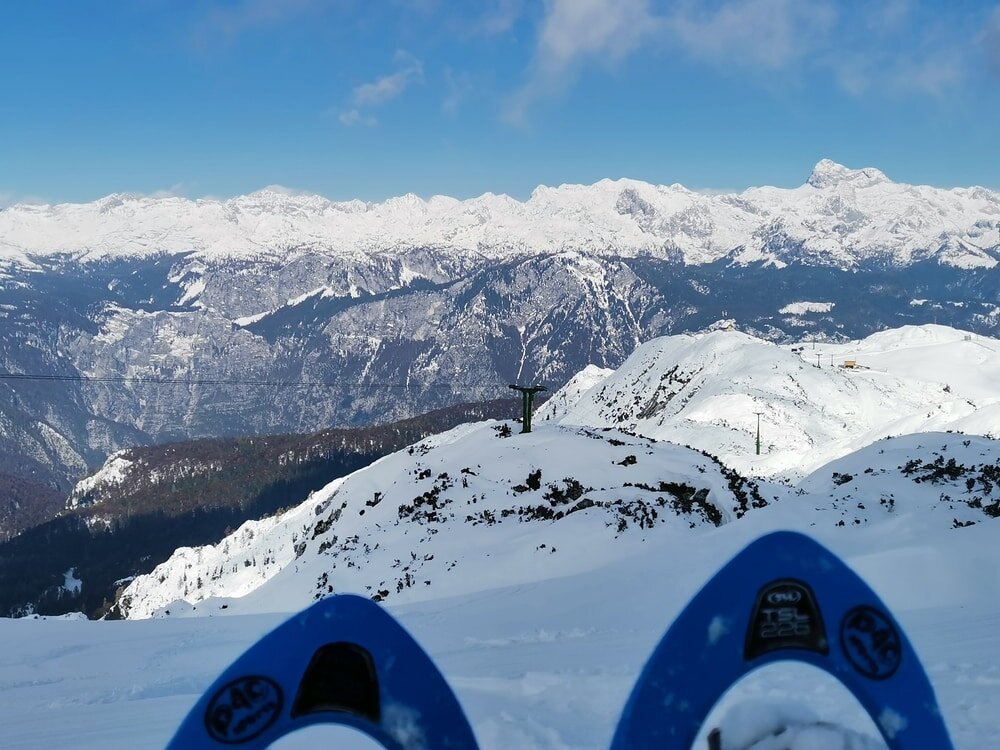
column 342, row 661
column 784, row 597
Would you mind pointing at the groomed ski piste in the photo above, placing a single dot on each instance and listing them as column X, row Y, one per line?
column 540, row 596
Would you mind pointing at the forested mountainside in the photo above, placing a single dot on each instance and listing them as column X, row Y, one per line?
column 24, row 504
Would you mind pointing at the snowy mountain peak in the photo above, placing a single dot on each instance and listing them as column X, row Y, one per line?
column 829, row 173
column 282, row 191
column 817, row 402
column 278, row 201
column 843, row 217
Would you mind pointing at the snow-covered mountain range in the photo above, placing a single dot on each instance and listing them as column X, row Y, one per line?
column 839, row 216
column 497, row 507
column 540, row 569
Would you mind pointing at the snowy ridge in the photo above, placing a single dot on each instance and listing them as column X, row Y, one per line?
column 268, row 545
column 115, row 471
column 618, row 493
column 477, row 507
column 839, row 216
column 703, row 390
column 570, row 394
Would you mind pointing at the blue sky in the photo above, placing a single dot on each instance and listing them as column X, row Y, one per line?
column 373, row 98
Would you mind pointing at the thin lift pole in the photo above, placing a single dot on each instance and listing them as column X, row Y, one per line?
column 527, row 397
column 758, row 413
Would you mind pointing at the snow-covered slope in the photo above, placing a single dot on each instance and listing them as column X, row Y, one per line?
column 967, row 363
column 570, row 394
column 542, row 646
column 539, row 666
column 839, row 216
column 475, row 508
column 478, row 508
column 704, row 390
column 114, row 472
column 540, row 570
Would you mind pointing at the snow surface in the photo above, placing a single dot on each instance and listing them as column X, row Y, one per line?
column 570, row 394
column 545, row 664
column 71, row 584
column 763, row 725
column 803, row 308
column 703, row 390
column 457, row 513
column 542, row 646
column 839, row 216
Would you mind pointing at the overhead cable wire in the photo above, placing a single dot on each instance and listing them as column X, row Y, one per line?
column 122, row 379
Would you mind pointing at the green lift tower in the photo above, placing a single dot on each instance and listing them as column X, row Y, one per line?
column 527, row 397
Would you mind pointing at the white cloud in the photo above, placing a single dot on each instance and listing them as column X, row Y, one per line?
column 458, row 86
column 760, row 34
column 285, row 190
column 500, row 18
column 574, row 31
column 939, row 74
column 382, row 89
column 233, row 19
column 8, row 198
column 177, row 190
column 766, row 34
column 853, row 72
column 354, row 117
column 390, row 86
column 990, row 39
column 889, row 15
column 773, row 39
